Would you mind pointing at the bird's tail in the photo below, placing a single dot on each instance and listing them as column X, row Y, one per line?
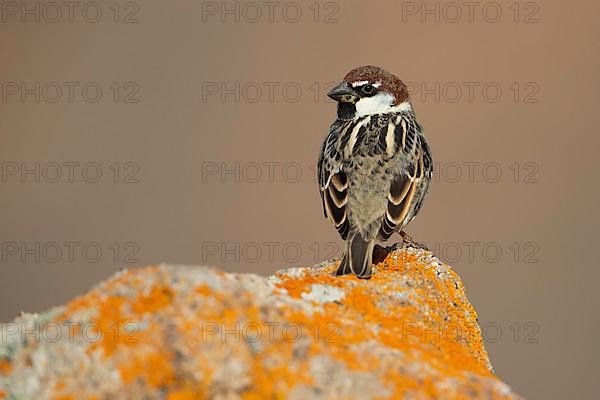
column 357, row 257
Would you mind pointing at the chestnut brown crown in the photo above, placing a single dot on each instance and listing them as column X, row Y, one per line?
column 380, row 79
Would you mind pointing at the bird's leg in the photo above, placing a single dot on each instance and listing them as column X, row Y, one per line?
column 407, row 241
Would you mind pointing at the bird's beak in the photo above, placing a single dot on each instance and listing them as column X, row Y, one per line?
column 343, row 93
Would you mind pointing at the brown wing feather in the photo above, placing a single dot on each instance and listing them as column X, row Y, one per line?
column 335, row 197
column 401, row 198
column 333, row 182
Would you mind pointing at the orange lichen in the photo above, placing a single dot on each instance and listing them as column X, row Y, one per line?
column 296, row 286
column 116, row 320
column 204, row 290
column 5, row 367
column 59, row 386
column 67, row 397
column 155, row 369
column 187, row 394
column 108, row 322
column 159, row 297
column 274, row 381
column 126, row 278
column 401, row 326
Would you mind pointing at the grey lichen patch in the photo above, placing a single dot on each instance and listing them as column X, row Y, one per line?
column 341, row 382
column 294, row 272
column 323, row 294
column 26, row 326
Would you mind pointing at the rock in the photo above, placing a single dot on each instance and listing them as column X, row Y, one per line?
column 183, row 332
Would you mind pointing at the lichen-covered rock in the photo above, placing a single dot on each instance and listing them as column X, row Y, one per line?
column 180, row 332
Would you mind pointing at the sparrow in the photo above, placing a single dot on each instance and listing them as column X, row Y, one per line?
column 375, row 165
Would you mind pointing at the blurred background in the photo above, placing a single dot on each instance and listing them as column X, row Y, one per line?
column 134, row 133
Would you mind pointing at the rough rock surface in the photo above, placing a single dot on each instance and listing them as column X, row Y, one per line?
column 182, row 332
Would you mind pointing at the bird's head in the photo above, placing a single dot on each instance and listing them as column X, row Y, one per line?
column 370, row 90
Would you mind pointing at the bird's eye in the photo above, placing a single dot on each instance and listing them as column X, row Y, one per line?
column 368, row 89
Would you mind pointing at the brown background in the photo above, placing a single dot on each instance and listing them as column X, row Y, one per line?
column 177, row 213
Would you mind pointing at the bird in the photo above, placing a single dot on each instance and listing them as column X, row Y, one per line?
column 374, row 167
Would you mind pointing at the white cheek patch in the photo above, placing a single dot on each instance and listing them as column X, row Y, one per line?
column 381, row 103
column 378, row 104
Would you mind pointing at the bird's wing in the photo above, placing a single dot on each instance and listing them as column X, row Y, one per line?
column 403, row 188
column 427, row 171
column 333, row 183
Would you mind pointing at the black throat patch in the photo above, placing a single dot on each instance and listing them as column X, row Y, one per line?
column 346, row 111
